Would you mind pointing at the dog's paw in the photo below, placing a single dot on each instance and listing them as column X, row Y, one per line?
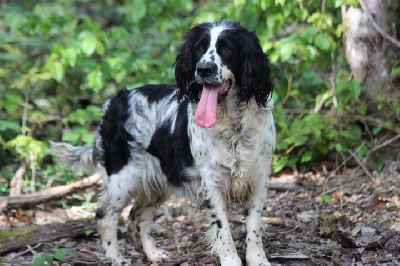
column 120, row 261
column 157, row 255
column 257, row 259
column 230, row 260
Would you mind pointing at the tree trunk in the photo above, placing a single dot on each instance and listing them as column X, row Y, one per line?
column 371, row 44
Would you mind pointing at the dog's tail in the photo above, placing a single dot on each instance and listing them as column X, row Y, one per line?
column 77, row 156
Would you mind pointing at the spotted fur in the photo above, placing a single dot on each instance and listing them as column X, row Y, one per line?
column 149, row 145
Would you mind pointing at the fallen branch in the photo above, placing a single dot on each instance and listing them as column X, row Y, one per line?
column 53, row 193
column 20, row 238
column 267, row 220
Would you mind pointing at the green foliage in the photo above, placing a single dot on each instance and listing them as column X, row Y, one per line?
column 28, row 147
column 326, row 199
column 89, row 233
column 60, row 60
column 59, row 254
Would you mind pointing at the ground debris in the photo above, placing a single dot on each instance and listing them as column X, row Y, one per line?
column 347, row 219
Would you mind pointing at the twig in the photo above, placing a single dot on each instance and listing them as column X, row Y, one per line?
column 365, row 8
column 363, row 167
column 334, row 86
column 268, row 220
column 29, row 249
column 25, row 114
column 332, row 190
column 343, row 163
column 381, row 146
column 32, row 249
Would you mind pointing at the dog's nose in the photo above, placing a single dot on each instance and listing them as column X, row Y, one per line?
column 206, row 69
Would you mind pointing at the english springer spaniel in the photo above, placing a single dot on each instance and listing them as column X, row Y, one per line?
column 211, row 135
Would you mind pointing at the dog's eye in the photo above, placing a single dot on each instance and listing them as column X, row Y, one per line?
column 200, row 49
column 226, row 50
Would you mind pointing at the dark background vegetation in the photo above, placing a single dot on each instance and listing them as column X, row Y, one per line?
column 61, row 59
column 336, row 89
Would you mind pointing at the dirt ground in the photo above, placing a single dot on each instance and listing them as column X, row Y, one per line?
column 346, row 219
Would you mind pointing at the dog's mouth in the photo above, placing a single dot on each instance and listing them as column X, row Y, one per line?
column 211, row 96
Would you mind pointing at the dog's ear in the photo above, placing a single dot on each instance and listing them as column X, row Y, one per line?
column 254, row 74
column 185, row 68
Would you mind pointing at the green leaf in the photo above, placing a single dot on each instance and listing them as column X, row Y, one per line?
column 376, row 130
column 70, row 55
column 100, row 47
column 71, row 137
column 322, row 42
column 95, row 80
column 40, row 260
column 138, row 10
column 88, row 45
column 286, row 51
column 362, row 151
column 395, row 71
column 89, row 232
column 307, row 156
column 59, row 255
column 326, row 199
column 57, row 70
column 88, row 139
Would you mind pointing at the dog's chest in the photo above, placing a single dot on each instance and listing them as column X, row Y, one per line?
column 235, row 152
column 241, row 150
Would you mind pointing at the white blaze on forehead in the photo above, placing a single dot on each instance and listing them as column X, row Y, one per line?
column 215, row 32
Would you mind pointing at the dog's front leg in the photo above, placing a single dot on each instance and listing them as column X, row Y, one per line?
column 219, row 235
column 255, row 254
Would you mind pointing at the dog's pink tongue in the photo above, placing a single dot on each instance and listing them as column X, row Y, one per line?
column 206, row 112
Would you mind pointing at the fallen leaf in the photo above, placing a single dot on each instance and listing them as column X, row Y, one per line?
column 353, row 198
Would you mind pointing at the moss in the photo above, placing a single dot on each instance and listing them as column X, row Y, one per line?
column 17, row 234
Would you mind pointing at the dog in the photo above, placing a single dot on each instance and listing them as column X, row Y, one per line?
column 211, row 135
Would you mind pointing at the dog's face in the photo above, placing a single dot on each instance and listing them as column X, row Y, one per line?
column 217, row 59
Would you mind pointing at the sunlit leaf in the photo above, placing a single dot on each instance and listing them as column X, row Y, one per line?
column 322, row 42
column 138, row 10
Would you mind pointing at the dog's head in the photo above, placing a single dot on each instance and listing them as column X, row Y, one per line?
column 217, row 59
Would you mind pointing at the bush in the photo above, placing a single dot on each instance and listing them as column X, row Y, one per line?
column 61, row 59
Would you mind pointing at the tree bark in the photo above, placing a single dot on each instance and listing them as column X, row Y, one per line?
column 371, row 44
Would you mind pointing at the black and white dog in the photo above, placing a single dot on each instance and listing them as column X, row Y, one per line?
column 213, row 132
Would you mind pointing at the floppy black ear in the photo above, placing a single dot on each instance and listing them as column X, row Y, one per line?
column 185, row 67
column 254, row 74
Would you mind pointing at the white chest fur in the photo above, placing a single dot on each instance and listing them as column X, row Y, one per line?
column 237, row 149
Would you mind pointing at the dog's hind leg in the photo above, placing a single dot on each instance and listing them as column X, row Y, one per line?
column 118, row 191
column 142, row 219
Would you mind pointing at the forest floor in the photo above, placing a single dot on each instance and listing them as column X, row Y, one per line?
column 347, row 219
